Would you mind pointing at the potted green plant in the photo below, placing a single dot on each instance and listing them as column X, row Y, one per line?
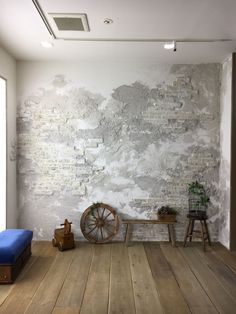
column 198, row 198
column 166, row 213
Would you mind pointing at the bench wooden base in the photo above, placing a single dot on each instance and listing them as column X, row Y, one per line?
column 170, row 227
column 9, row 272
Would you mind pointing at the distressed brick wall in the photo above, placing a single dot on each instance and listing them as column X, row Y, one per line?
column 135, row 149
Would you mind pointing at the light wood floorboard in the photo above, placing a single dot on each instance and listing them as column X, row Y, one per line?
column 223, row 273
column 145, row 294
column 227, row 257
column 165, row 281
column 191, row 288
column 72, row 292
column 97, row 290
column 213, row 287
column 121, row 298
column 66, row 310
column 115, row 278
column 46, row 296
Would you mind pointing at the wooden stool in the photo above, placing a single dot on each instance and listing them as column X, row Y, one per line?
column 204, row 233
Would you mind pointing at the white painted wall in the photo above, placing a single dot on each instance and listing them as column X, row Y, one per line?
column 101, row 77
column 8, row 71
column 225, row 151
column 3, row 167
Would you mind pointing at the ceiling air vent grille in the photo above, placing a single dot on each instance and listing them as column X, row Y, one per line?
column 70, row 22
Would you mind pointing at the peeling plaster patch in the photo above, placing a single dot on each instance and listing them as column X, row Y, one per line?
column 59, row 81
column 121, row 181
column 13, row 150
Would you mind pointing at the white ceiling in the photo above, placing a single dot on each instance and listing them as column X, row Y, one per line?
column 22, row 30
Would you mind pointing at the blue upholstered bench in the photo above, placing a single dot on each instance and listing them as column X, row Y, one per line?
column 15, row 250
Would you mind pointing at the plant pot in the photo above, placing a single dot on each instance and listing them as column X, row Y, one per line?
column 166, row 217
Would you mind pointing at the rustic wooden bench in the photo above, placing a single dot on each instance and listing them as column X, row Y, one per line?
column 170, row 227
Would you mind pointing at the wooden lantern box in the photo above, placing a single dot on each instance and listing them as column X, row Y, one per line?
column 63, row 237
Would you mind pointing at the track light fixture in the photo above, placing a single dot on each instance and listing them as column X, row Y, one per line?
column 46, row 44
column 171, row 45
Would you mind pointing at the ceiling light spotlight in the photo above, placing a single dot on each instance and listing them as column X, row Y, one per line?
column 171, row 45
column 46, row 44
column 108, row 21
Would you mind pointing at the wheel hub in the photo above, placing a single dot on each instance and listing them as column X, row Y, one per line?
column 99, row 222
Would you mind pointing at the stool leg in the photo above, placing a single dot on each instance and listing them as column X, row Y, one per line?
column 203, row 235
column 207, row 232
column 187, row 232
column 191, row 230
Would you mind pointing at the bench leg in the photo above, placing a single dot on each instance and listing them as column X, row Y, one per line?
column 172, row 234
column 126, row 240
column 168, row 227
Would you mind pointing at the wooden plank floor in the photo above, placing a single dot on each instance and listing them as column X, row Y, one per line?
column 115, row 278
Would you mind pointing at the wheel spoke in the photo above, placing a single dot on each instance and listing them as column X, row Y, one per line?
column 98, row 212
column 96, row 235
column 90, row 219
column 107, row 215
column 91, row 224
column 92, row 230
column 109, row 231
column 93, row 215
column 101, row 233
column 109, row 223
column 103, row 212
column 104, row 232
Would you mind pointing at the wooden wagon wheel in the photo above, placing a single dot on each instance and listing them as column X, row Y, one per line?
column 99, row 223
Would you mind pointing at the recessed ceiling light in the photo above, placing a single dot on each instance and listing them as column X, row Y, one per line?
column 170, row 45
column 108, row 21
column 46, row 44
